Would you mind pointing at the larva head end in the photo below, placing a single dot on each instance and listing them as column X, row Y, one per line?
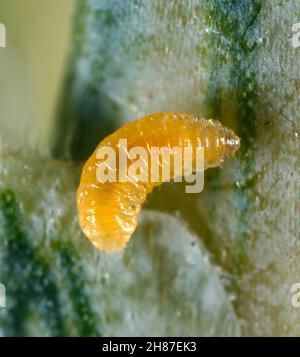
column 232, row 142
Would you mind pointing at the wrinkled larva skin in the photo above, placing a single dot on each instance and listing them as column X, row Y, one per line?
column 108, row 211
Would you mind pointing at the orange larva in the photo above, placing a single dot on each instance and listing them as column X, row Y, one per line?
column 108, row 211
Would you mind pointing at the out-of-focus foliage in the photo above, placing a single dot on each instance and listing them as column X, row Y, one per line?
column 31, row 69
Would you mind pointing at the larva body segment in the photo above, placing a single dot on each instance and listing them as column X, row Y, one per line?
column 108, row 211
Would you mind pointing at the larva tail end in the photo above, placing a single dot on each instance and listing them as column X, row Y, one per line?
column 109, row 245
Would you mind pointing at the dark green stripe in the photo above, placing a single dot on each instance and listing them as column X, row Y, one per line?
column 84, row 317
column 243, row 75
column 235, row 37
column 30, row 286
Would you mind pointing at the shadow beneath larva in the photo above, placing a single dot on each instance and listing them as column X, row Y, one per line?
column 171, row 198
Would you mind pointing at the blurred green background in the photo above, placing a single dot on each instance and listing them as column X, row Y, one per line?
column 32, row 67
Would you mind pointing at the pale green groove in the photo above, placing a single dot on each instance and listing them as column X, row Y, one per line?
column 84, row 114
